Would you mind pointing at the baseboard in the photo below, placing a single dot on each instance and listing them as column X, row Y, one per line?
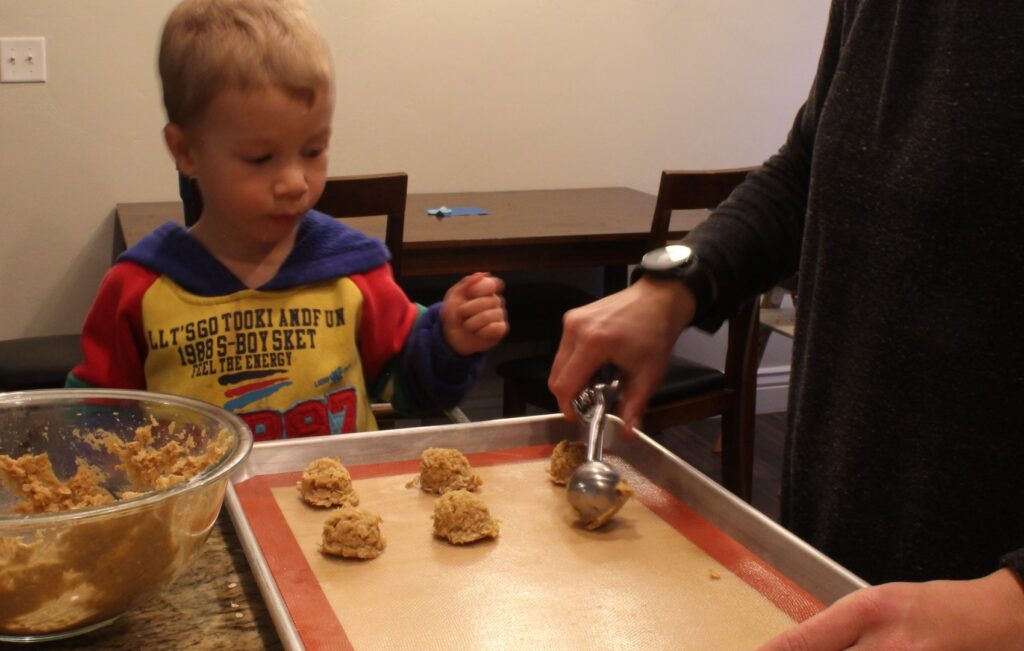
column 772, row 389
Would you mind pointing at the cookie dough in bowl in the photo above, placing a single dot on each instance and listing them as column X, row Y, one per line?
column 105, row 497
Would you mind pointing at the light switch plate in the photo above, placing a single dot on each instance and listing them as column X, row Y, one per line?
column 22, row 59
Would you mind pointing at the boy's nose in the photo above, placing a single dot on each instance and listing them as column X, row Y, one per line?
column 291, row 182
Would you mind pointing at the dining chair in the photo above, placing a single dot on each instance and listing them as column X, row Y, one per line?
column 690, row 391
column 776, row 317
column 38, row 362
column 371, row 195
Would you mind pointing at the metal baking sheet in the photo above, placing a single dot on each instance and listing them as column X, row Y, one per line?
column 679, row 512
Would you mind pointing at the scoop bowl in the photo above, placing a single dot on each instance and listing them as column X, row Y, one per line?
column 592, row 490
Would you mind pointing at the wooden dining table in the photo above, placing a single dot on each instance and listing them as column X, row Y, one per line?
column 603, row 227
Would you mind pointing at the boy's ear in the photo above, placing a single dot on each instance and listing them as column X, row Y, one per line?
column 181, row 151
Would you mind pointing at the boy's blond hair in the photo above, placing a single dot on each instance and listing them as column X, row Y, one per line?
column 212, row 45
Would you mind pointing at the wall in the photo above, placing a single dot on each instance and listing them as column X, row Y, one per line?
column 462, row 95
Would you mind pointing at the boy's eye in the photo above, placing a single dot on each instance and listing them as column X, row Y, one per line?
column 313, row 153
column 256, row 160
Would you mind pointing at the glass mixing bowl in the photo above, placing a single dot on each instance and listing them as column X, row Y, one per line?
column 160, row 462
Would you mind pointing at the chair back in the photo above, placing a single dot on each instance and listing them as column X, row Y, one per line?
column 369, row 196
column 688, row 190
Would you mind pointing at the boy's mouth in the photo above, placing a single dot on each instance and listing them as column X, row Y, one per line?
column 286, row 218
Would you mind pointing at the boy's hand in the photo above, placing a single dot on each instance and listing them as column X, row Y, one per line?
column 473, row 314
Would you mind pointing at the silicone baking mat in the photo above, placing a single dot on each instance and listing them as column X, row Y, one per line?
column 657, row 576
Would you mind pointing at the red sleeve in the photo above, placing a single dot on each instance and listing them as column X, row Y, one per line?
column 113, row 342
column 388, row 317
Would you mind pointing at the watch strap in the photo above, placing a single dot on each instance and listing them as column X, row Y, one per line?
column 692, row 274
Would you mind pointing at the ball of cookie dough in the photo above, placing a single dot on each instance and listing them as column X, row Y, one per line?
column 353, row 533
column 623, row 492
column 446, row 469
column 462, row 517
column 565, row 458
column 326, row 482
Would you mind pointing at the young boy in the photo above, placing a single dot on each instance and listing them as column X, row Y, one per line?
column 266, row 307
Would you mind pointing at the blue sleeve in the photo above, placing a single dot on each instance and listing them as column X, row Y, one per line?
column 428, row 374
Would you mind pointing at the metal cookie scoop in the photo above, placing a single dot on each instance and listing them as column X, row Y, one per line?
column 592, row 486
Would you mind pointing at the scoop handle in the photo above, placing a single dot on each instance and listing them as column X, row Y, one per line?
column 605, row 396
column 595, row 428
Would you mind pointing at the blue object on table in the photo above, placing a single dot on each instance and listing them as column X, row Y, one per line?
column 456, row 211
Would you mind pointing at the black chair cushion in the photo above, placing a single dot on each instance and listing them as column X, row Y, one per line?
column 38, row 362
column 684, row 377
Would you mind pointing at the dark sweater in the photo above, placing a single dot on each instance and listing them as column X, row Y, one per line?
column 899, row 193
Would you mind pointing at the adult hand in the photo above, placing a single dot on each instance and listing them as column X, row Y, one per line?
column 635, row 330
column 473, row 317
column 985, row 613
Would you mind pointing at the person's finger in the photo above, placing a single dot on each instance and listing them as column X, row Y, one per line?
column 640, row 382
column 833, row 629
column 479, row 320
column 491, row 305
column 563, row 353
column 483, row 294
column 486, row 284
column 481, row 283
column 633, row 401
column 574, row 373
column 493, row 332
column 462, row 286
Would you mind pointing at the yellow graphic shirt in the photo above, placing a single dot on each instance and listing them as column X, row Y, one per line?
column 303, row 355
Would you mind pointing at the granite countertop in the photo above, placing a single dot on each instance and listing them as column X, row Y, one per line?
column 215, row 604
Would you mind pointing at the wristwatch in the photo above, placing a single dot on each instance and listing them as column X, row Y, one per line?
column 679, row 262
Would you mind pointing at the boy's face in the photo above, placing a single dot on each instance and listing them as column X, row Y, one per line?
column 260, row 157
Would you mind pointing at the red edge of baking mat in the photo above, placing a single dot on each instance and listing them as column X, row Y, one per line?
column 307, row 603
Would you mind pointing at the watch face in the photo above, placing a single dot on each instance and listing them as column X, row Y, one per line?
column 667, row 257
